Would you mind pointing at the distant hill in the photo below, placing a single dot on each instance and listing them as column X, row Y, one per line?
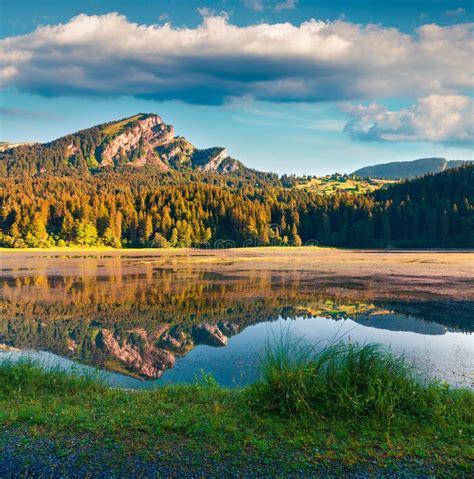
column 143, row 139
column 400, row 322
column 401, row 170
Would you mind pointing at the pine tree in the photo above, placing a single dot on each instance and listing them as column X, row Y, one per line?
column 174, row 238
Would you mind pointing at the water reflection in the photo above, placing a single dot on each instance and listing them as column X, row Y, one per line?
column 140, row 322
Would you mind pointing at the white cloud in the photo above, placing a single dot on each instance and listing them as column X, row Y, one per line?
column 455, row 12
column 446, row 119
column 256, row 5
column 278, row 6
column 108, row 55
column 206, row 11
column 327, row 125
column 286, row 5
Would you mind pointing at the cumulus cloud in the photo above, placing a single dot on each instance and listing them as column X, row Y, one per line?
column 446, row 119
column 108, row 55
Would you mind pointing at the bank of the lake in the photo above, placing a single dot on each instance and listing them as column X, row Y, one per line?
column 56, row 425
column 442, row 273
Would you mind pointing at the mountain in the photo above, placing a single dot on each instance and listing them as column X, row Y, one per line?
column 134, row 183
column 407, row 169
column 138, row 141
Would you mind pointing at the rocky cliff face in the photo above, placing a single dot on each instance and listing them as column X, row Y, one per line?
column 4, row 145
column 137, row 143
column 148, row 140
column 214, row 160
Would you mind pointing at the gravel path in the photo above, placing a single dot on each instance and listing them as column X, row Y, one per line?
column 23, row 456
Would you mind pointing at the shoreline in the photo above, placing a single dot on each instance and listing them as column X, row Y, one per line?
column 447, row 275
column 79, row 249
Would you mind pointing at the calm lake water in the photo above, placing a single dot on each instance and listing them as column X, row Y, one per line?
column 144, row 322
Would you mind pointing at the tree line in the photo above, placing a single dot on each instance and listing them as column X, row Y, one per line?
column 152, row 209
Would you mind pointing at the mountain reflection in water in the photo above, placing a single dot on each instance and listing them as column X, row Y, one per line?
column 139, row 323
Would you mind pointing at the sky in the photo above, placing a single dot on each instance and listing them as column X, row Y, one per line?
column 289, row 86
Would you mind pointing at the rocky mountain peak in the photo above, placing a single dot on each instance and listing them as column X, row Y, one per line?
column 136, row 141
column 146, row 139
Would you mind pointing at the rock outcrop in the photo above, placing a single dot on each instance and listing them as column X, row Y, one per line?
column 4, row 145
column 137, row 142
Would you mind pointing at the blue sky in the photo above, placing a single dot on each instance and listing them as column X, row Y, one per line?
column 282, row 92
column 20, row 17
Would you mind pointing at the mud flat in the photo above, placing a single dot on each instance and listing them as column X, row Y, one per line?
column 386, row 273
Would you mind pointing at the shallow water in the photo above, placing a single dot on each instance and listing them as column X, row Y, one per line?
column 145, row 323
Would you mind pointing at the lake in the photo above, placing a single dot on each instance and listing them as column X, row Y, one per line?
column 146, row 319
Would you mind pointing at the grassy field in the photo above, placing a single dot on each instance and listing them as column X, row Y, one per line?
column 345, row 409
column 328, row 185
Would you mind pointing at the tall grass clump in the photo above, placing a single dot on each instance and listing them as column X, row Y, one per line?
column 351, row 380
column 27, row 376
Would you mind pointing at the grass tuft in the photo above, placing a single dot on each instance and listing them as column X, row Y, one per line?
column 351, row 380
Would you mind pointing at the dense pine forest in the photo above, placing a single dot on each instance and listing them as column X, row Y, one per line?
column 149, row 208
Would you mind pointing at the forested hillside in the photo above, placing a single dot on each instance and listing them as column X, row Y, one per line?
column 405, row 170
column 135, row 142
column 132, row 182
column 164, row 209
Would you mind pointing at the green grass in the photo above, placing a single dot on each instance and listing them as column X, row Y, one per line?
column 117, row 127
column 346, row 404
column 348, row 380
column 328, row 185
